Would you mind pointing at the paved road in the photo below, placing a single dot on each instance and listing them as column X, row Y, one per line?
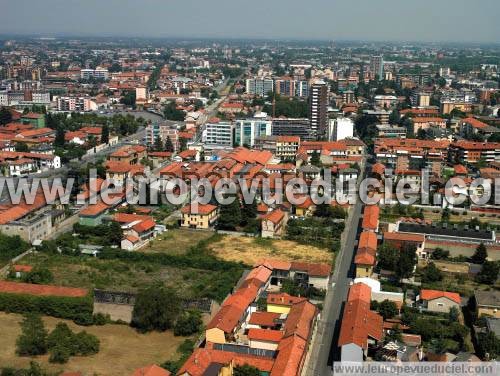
column 324, row 347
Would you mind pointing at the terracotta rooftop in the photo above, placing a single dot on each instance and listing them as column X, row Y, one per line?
column 152, row 370
column 41, row 290
column 435, row 294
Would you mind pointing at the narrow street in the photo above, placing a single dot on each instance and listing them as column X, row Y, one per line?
column 324, row 346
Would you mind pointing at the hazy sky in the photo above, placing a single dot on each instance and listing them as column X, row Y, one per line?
column 415, row 20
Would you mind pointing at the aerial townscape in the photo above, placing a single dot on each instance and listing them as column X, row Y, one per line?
column 226, row 206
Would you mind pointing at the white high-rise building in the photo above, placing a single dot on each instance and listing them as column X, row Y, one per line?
column 218, row 135
column 259, row 86
column 340, row 129
column 247, row 130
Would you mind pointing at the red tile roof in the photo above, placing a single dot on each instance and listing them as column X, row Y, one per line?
column 365, row 256
column 94, row 210
column 300, row 320
column 402, row 236
column 144, row 226
column 435, row 294
column 370, row 217
column 359, row 324
column 276, row 216
column 360, row 291
column 263, row 318
column 200, row 209
column 283, row 299
column 291, row 355
column 152, row 370
column 201, row 359
column 475, row 123
column 261, row 273
column 40, row 290
column 368, row 240
column 313, row 269
column 276, row 264
column 266, row 335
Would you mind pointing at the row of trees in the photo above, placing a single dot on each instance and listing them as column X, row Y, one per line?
column 61, row 343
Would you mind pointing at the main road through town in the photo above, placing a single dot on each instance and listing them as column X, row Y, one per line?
column 324, row 348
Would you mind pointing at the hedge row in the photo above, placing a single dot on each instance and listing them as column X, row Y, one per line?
column 77, row 309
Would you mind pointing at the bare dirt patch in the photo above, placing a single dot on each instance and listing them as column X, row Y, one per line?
column 251, row 250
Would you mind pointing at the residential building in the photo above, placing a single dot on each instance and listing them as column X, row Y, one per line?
column 37, row 120
column 218, row 135
column 340, row 128
column 93, row 215
column 473, row 152
column 98, row 73
column 487, row 303
column 287, row 147
column 318, row 108
column 377, row 66
column 247, row 130
column 438, row 301
column 365, row 258
column 199, row 217
column 273, row 224
column 162, row 131
column 360, row 328
column 259, row 86
column 76, row 104
column 292, row 127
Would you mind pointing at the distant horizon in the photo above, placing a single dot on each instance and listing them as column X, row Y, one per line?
column 428, row 21
column 6, row 36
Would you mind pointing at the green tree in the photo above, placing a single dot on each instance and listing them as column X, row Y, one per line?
column 489, row 346
column 128, row 99
column 440, row 254
column 21, row 147
column 407, row 261
column 172, row 113
column 248, row 213
column 189, row 323
column 388, row 257
column 114, row 233
column 315, row 159
column 105, row 134
column 394, row 117
column 246, row 370
column 489, row 272
column 431, row 273
column 39, row 275
column 230, row 215
column 156, row 308
column 169, row 146
column 158, row 144
column 481, row 254
column 59, row 354
column 387, row 309
column 33, row 338
column 5, row 116
column 59, row 140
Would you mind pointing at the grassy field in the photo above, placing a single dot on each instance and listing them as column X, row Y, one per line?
column 251, row 250
column 176, row 241
column 122, row 348
column 116, row 275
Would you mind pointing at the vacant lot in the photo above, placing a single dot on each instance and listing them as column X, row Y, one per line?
column 176, row 241
column 122, row 349
column 117, row 275
column 251, row 250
